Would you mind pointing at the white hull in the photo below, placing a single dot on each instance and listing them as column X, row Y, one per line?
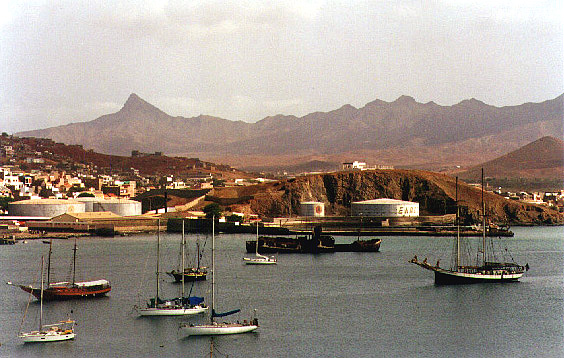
column 37, row 337
column 171, row 311
column 259, row 262
column 482, row 276
column 216, row 329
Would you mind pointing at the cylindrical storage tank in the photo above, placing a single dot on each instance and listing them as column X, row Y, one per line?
column 44, row 207
column 123, row 207
column 88, row 202
column 385, row 208
column 312, row 208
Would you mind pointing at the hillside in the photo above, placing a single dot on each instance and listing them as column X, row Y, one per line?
column 58, row 154
column 434, row 192
column 543, row 158
column 401, row 133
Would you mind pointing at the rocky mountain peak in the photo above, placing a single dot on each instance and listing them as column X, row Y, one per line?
column 135, row 103
column 405, row 100
column 471, row 102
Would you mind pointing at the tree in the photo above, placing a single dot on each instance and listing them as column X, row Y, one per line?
column 218, row 183
column 4, row 202
column 212, row 210
column 234, row 218
column 45, row 193
column 86, row 195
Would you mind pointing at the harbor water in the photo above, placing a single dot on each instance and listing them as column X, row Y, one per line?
column 325, row 305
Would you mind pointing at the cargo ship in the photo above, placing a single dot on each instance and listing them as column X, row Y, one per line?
column 310, row 244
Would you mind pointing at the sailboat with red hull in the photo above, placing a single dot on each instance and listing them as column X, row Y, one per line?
column 68, row 289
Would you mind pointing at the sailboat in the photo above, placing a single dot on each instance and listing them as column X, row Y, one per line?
column 218, row 328
column 177, row 306
column 259, row 259
column 189, row 274
column 485, row 270
column 61, row 331
column 65, row 289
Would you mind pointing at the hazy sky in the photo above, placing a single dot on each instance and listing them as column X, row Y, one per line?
column 71, row 61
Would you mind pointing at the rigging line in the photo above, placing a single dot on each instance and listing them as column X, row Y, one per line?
column 26, row 308
column 142, row 281
column 70, row 271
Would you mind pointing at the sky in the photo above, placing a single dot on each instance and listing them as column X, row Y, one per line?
column 73, row 61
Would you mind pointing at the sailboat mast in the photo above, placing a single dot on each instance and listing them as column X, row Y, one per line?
column 49, row 262
column 74, row 263
column 182, row 253
column 457, row 264
column 213, row 269
column 158, row 255
column 257, row 239
column 198, row 252
column 483, row 222
column 41, row 298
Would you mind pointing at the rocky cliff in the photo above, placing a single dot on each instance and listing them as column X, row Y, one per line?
column 435, row 193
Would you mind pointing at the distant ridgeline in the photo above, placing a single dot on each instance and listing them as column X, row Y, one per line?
column 404, row 131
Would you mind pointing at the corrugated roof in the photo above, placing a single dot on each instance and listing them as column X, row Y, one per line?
column 92, row 215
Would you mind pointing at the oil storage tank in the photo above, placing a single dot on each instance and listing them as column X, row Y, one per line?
column 385, row 208
column 122, row 207
column 88, row 202
column 45, row 207
column 312, row 208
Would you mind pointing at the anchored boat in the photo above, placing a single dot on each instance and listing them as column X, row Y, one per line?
column 259, row 259
column 216, row 328
column 60, row 331
column 180, row 306
column 487, row 269
column 189, row 274
column 67, row 289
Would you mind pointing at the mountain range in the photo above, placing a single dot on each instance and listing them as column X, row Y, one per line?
column 403, row 133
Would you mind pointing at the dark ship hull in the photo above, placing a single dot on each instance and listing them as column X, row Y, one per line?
column 491, row 272
column 360, row 246
column 67, row 291
column 189, row 276
column 309, row 244
column 451, row 278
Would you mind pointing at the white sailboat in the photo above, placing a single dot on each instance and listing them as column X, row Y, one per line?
column 180, row 306
column 218, row 328
column 259, row 259
column 61, row 331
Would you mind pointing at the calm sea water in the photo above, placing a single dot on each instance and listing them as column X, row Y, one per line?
column 328, row 305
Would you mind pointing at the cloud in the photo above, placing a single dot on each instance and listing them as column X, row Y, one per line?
column 66, row 61
column 181, row 20
column 509, row 11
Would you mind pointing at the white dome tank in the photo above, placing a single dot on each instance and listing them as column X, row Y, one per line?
column 45, row 207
